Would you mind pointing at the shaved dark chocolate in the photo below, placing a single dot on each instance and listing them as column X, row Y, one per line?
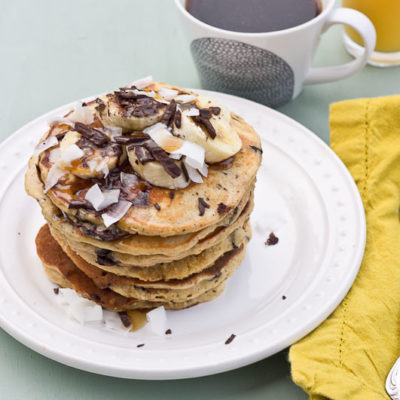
column 105, row 257
column 203, row 120
column 222, row 208
column 169, row 114
column 178, row 119
column 101, row 107
column 202, row 206
column 215, row 110
column 163, row 158
column 157, row 206
column 272, row 240
column 137, row 105
column 134, row 140
column 56, row 290
column 92, row 134
column 126, row 321
column 143, row 154
column 95, row 297
column 255, row 148
column 230, row 339
column 80, row 203
column 141, row 200
column 185, row 172
column 171, row 195
column 168, row 332
column 140, row 345
column 60, row 136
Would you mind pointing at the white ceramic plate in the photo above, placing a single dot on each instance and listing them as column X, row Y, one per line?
column 279, row 294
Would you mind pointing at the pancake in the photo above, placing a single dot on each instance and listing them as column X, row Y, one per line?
column 223, row 189
column 93, row 254
column 62, row 271
column 175, row 270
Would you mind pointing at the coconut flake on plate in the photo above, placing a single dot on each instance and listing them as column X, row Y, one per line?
column 194, row 154
column 128, row 180
column 157, row 320
column 193, row 173
column 71, row 153
column 99, row 164
column 168, row 94
column 79, row 308
column 142, row 82
column 46, row 144
column 101, row 200
column 112, row 320
column 81, row 114
column 116, row 213
column 192, row 112
column 185, row 98
column 55, row 173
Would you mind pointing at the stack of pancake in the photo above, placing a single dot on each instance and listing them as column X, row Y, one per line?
column 171, row 241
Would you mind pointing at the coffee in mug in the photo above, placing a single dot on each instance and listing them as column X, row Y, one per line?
column 254, row 15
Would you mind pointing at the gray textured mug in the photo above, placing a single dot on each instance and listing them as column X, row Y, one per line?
column 272, row 67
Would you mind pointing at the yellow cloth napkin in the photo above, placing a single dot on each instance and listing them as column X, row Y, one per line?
column 349, row 356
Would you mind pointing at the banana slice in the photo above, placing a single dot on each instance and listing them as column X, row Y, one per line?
column 226, row 142
column 154, row 173
column 131, row 111
column 94, row 162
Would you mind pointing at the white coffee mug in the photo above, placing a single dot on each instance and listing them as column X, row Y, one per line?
column 271, row 67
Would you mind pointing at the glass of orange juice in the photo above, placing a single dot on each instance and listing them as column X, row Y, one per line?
column 385, row 15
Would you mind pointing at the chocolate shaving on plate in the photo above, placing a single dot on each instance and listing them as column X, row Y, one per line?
column 202, row 206
column 157, row 206
column 56, row 290
column 272, row 240
column 125, row 319
column 140, row 345
column 230, row 339
column 92, row 134
column 168, row 332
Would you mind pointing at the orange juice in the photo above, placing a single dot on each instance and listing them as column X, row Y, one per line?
column 385, row 15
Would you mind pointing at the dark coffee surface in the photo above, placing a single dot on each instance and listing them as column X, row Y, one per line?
column 253, row 15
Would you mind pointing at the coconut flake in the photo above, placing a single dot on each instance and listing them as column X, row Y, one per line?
column 81, row 114
column 112, row 131
column 204, row 170
column 54, row 155
column 112, row 320
column 161, row 101
column 71, row 153
column 55, row 173
column 185, row 98
column 143, row 82
column 101, row 200
column 157, row 320
column 116, row 213
column 99, row 164
column 128, row 180
column 46, row 144
column 193, row 174
column 194, row 154
column 168, row 94
column 158, row 132
column 79, row 308
column 192, row 112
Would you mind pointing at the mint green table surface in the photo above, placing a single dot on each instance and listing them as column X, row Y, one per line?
column 54, row 52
